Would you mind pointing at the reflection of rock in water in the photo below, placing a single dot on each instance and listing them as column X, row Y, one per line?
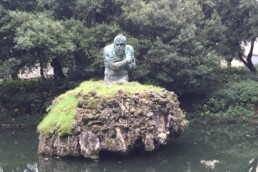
column 55, row 165
column 118, row 124
column 210, row 163
column 18, row 150
column 68, row 165
column 253, row 165
column 25, row 168
column 31, row 168
column 150, row 169
column 82, row 165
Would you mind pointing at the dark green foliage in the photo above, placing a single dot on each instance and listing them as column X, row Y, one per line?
column 178, row 44
column 178, row 73
column 176, row 38
column 88, row 54
column 176, row 54
column 28, row 98
column 239, row 19
column 35, row 38
column 7, row 28
column 9, row 68
column 235, row 102
column 28, row 5
column 41, row 36
column 90, row 12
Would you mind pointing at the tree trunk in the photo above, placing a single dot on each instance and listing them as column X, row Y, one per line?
column 14, row 75
column 42, row 70
column 229, row 60
column 248, row 62
column 57, row 68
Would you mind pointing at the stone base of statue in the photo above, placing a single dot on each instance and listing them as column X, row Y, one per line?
column 110, row 117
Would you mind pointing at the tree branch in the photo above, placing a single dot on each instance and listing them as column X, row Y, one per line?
column 250, row 54
column 240, row 56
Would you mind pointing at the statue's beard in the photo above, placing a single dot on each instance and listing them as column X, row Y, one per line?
column 119, row 51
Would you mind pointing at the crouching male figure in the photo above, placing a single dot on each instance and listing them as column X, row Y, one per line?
column 118, row 60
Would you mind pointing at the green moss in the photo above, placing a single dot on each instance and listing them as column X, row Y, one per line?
column 93, row 103
column 109, row 89
column 60, row 119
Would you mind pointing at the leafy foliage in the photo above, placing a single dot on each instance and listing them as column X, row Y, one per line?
column 90, row 12
column 178, row 44
column 240, row 27
column 236, row 102
column 9, row 67
column 178, row 73
column 22, row 98
column 42, row 36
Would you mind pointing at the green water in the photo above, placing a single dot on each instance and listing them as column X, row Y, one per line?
column 232, row 147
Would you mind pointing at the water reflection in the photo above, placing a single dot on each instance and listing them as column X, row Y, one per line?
column 17, row 149
column 233, row 147
column 134, row 163
column 253, row 165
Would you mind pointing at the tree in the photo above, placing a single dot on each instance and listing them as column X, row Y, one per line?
column 173, row 33
column 42, row 38
column 9, row 57
column 93, row 24
column 9, row 67
column 90, row 12
column 240, row 19
column 21, row 5
column 89, row 44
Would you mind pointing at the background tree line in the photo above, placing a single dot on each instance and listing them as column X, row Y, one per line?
column 178, row 44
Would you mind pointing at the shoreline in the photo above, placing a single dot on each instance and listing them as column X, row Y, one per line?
column 16, row 126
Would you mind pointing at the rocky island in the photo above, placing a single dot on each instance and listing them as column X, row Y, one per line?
column 114, row 117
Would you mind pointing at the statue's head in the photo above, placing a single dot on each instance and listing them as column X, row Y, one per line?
column 119, row 45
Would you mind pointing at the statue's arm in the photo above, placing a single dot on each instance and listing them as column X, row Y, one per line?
column 130, row 56
column 109, row 63
column 108, row 60
column 115, row 65
column 120, row 64
column 129, row 60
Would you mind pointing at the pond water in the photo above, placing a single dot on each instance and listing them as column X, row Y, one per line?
column 228, row 148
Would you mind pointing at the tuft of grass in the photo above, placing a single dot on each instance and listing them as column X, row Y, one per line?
column 60, row 118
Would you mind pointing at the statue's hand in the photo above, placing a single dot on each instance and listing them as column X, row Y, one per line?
column 114, row 67
column 128, row 59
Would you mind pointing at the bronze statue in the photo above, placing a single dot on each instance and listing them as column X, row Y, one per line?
column 118, row 60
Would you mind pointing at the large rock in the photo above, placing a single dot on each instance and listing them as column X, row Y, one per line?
column 116, row 121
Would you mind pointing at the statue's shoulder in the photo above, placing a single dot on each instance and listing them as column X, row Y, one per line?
column 109, row 48
column 129, row 48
